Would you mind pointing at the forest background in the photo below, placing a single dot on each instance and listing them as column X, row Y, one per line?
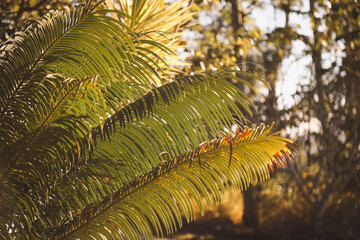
column 309, row 54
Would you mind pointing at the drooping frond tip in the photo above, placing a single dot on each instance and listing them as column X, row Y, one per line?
column 159, row 198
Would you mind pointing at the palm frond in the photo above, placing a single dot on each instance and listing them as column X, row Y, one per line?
column 157, row 19
column 158, row 198
column 212, row 90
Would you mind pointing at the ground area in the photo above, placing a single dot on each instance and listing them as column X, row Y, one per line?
column 278, row 219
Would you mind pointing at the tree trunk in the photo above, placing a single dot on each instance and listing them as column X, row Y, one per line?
column 237, row 23
column 250, row 216
column 250, row 205
column 319, row 220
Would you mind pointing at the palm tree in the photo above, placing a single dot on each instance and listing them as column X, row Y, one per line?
column 96, row 143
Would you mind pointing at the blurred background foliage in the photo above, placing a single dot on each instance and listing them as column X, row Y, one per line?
column 316, row 197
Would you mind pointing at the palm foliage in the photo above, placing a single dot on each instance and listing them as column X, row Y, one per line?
column 92, row 147
column 159, row 21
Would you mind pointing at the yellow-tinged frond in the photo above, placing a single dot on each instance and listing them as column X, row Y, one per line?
column 161, row 21
column 157, row 199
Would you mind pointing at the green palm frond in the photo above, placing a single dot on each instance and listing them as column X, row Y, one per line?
column 158, row 198
column 214, row 86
